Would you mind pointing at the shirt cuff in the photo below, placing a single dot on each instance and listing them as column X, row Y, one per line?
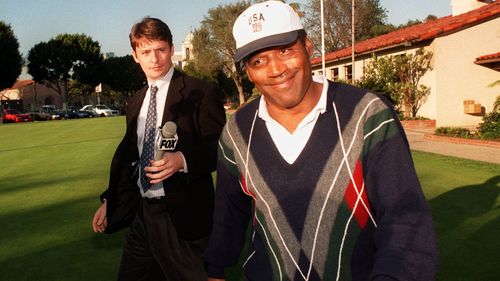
column 185, row 169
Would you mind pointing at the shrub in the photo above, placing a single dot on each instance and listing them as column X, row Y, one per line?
column 398, row 77
column 454, row 132
column 490, row 128
column 496, row 104
column 402, row 117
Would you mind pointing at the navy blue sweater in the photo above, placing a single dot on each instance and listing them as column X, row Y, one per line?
column 349, row 208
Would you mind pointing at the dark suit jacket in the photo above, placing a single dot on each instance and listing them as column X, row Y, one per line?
column 196, row 108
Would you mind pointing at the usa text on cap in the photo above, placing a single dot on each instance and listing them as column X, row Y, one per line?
column 263, row 25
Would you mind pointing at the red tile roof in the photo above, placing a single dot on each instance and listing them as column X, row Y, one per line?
column 488, row 58
column 420, row 32
column 491, row 61
column 22, row 83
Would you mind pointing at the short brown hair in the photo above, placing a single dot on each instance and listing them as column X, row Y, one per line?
column 151, row 29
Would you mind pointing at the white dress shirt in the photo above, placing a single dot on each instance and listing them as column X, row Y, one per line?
column 156, row 190
column 290, row 145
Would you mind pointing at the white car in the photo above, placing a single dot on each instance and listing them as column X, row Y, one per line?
column 100, row 110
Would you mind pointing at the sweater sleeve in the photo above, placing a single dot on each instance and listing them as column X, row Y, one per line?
column 404, row 239
column 231, row 215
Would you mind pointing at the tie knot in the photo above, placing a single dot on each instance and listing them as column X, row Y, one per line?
column 154, row 89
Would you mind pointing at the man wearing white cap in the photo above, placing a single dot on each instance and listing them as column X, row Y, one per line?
column 322, row 170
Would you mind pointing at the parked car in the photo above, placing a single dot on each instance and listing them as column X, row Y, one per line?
column 101, row 110
column 76, row 113
column 39, row 115
column 14, row 116
column 52, row 112
column 56, row 115
column 48, row 108
column 120, row 110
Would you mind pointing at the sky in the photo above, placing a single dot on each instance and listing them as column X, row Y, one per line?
column 109, row 21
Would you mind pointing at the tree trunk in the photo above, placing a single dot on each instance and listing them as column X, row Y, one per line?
column 238, row 80
column 64, row 94
column 241, row 95
column 35, row 95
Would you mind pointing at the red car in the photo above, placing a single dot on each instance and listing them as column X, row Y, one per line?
column 14, row 116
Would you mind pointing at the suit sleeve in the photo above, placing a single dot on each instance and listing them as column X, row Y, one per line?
column 209, row 119
column 122, row 158
column 122, row 194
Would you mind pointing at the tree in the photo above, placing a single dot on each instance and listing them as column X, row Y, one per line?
column 381, row 29
column 123, row 74
column 65, row 57
column 11, row 61
column 77, row 90
column 496, row 104
column 430, row 17
column 410, row 69
column 214, row 46
column 337, row 18
column 379, row 74
column 199, row 72
column 398, row 77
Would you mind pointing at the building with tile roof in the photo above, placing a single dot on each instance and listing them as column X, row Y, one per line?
column 27, row 95
column 466, row 58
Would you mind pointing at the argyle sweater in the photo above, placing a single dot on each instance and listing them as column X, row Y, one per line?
column 349, row 208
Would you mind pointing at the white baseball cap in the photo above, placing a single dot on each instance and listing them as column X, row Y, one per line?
column 263, row 25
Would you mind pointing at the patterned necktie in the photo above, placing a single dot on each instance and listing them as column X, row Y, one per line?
column 148, row 146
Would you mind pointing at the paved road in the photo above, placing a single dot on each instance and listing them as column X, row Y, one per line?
column 467, row 151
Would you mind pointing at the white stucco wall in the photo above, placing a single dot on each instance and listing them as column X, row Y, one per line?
column 458, row 78
column 455, row 77
column 462, row 6
column 10, row 94
column 430, row 108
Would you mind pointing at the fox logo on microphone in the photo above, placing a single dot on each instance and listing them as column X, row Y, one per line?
column 168, row 139
column 168, row 143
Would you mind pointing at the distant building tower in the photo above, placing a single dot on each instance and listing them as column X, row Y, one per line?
column 181, row 58
column 177, row 60
column 108, row 55
column 187, row 47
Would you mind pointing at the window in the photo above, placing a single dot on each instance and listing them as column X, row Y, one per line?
column 348, row 72
column 335, row 73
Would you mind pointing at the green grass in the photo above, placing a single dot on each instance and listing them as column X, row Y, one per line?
column 50, row 178
column 53, row 172
column 465, row 203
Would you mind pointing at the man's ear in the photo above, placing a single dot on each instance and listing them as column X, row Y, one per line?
column 172, row 51
column 309, row 46
column 248, row 75
column 135, row 56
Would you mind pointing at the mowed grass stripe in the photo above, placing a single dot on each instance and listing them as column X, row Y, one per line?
column 51, row 177
column 53, row 172
column 464, row 199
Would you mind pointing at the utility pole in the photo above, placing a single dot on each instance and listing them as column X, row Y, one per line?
column 352, row 38
column 323, row 68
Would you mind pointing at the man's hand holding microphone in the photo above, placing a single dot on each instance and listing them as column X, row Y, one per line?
column 167, row 161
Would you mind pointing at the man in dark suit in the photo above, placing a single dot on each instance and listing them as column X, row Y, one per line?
column 168, row 203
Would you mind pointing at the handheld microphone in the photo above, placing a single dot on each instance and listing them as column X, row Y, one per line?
column 168, row 139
